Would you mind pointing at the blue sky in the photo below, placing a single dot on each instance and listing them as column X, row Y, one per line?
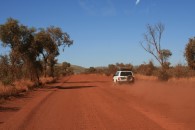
column 108, row 31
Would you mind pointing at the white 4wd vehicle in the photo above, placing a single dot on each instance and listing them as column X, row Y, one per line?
column 123, row 77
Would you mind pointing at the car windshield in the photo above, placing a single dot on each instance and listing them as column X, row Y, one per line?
column 126, row 73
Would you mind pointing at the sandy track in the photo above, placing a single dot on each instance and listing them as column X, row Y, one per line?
column 87, row 102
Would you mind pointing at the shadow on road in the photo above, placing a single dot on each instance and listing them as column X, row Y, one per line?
column 86, row 82
column 73, row 87
column 9, row 109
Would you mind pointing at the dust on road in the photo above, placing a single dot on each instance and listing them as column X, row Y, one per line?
column 93, row 102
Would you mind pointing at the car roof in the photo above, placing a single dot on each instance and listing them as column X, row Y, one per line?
column 123, row 71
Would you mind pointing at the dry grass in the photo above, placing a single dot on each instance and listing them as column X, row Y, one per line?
column 143, row 77
column 25, row 85
column 47, row 80
column 6, row 90
column 185, row 80
column 153, row 78
column 15, row 88
column 21, row 86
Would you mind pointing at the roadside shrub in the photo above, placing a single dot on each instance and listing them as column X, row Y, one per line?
column 90, row 70
column 47, row 80
column 163, row 75
column 111, row 70
column 179, row 71
column 6, row 80
column 63, row 69
column 5, row 70
column 190, row 53
column 191, row 73
column 146, row 69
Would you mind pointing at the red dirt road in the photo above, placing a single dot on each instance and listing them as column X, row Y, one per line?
column 87, row 102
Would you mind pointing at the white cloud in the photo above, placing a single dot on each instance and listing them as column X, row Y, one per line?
column 87, row 6
column 94, row 7
column 137, row 2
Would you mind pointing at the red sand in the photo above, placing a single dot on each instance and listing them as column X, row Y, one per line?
column 94, row 102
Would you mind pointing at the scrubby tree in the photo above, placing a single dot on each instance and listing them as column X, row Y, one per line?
column 5, row 71
column 59, row 38
column 66, row 69
column 190, row 53
column 45, row 47
column 152, row 39
column 10, row 35
column 49, row 40
column 30, row 48
column 91, row 70
column 20, row 39
column 153, row 46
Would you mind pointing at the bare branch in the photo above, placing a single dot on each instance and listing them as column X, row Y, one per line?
column 153, row 42
column 149, row 50
column 160, row 28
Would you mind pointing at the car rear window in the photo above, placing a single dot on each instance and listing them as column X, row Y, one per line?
column 117, row 73
column 126, row 73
